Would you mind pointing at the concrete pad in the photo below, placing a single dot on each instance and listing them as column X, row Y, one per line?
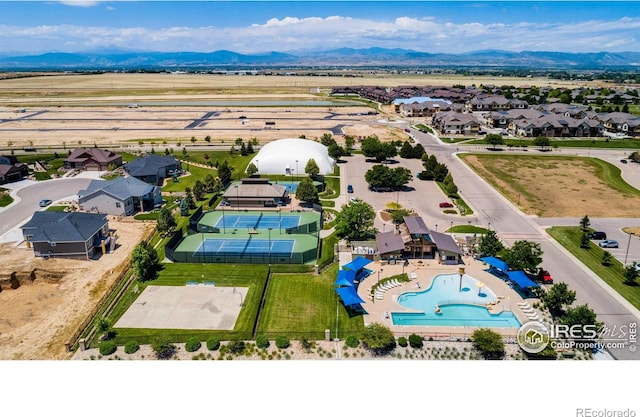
column 198, row 307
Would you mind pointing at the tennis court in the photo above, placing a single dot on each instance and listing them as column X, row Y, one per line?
column 261, row 221
column 276, row 248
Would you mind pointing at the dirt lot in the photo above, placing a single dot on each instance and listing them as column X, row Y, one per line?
column 117, row 127
column 554, row 187
column 39, row 317
column 94, row 109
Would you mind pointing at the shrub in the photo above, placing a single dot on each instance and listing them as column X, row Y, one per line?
column 107, row 347
column 262, row 342
column 415, row 341
column 192, row 344
column 282, row 342
column 213, row 343
column 402, row 341
column 163, row 348
column 379, row 339
column 489, row 343
column 131, row 347
column 236, row 347
column 351, row 341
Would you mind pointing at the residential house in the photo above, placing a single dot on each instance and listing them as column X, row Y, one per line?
column 121, row 197
column 622, row 123
column 93, row 159
column 11, row 170
column 153, row 169
column 72, row 234
column 456, row 123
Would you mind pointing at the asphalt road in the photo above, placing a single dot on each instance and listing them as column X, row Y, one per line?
column 30, row 197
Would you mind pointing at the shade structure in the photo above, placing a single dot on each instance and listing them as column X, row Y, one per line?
column 496, row 263
column 357, row 264
column 349, row 296
column 521, row 279
column 345, row 278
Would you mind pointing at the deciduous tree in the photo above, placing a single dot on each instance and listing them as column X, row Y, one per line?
column 355, row 221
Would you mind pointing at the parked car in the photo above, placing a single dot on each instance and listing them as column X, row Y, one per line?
column 45, row 203
column 598, row 236
column 544, row 276
column 445, row 204
column 349, row 188
column 407, row 130
column 608, row 244
column 624, row 161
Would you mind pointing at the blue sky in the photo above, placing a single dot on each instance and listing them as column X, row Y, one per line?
column 33, row 27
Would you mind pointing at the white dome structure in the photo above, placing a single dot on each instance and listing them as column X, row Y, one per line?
column 290, row 157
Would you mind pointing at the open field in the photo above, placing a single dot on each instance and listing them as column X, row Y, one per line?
column 92, row 109
column 551, row 186
column 175, row 126
column 56, row 85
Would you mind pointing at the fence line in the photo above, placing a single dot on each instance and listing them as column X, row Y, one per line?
column 88, row 321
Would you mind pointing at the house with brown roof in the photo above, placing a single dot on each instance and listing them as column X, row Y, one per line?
column 456, row 123
column 11, row 170
column 93, row 159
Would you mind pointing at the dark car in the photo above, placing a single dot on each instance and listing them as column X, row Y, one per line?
column 446, row 205
column 624, row 161
column 45, row 203
column 598, row 235
column 407, row 130
column 349, row 188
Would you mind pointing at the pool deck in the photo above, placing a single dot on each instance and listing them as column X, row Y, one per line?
column 379, row 310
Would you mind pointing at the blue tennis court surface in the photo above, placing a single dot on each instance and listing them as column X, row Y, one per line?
column 257, row 222
column 245, row 246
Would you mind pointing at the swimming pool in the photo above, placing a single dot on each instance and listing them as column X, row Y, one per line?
column 443, row 304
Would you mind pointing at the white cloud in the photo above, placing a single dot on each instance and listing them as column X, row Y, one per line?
column 292, row 33
column 80, row 3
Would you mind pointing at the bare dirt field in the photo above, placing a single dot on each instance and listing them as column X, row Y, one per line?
column 554, row 187
column 73, row 109
column 44, row 127
column 41, row 315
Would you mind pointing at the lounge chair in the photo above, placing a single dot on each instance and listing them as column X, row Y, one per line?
column 534, row 317
column 523, row 304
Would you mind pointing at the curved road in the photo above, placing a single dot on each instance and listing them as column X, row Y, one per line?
column 30, row 196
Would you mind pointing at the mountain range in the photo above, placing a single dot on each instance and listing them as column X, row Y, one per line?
column 120, row 60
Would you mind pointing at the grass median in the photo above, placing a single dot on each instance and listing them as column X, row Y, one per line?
column 569, row 237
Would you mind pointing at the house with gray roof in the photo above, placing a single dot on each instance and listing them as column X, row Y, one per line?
column 123, row 196
column 153, row 169
column 255, row 192
column 73, row 234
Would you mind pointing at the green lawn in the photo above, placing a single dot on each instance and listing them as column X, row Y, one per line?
column 564, row 143
column 569, row 237
column 252, row 276
column 464, row 228
column 196, row 173
column 304, row 305
column 5, row 198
